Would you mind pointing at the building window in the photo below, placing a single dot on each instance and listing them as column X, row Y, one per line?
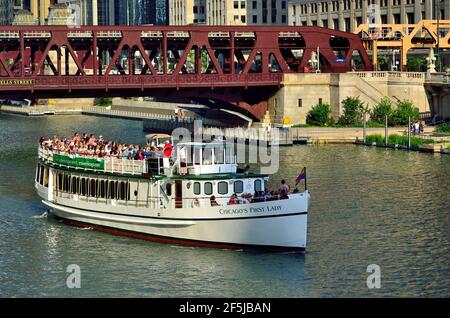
column 264, row 19
column 195, row 9
column 243, row 18
column 255, row 19
column 236, row 4
column 283, row 4
column 300, row 102
column 283, row 19
column 320, row 101
column 254, row 5
column 242, row 4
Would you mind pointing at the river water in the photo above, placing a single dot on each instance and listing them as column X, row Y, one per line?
column 369, row 206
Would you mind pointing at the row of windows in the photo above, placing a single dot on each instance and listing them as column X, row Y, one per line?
column 264, row 4
column 222, row 187
column 315, row 8
column 42, row 175
column 274, row 19
column 93, row 187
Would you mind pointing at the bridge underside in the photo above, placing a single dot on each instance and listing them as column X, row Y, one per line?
column 240, row 66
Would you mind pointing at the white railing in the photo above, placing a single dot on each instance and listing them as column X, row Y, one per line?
column 109, row 34
column 111, row 164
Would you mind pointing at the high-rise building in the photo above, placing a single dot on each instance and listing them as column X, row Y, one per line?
column 184, row 12
column 86, row 11
column 346, row 15
column 6, row 12
column 228, row 12
column 40, row 9
column 267, row 12
column 106, row 12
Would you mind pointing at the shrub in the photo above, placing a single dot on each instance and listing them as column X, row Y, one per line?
column 443, row 128
column 353, row 111
column 396, row 139
column 383, row 108
column 103, row 102
column 375, row 138
column 404, row 110
column 319, row 115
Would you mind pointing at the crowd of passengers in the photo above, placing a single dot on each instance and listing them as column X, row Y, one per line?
column 89, row 146
column 260, row 196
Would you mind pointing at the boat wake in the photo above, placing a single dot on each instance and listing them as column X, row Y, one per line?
column 42, row 216
column 85, row 228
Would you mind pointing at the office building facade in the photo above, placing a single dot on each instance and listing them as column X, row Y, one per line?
column 346, row 15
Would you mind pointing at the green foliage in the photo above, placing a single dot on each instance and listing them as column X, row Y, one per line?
column 319, row 115
column 404, row 110
column 417, row 64
column 383, row 108
column 443, row 128
column 373, row 124
column 103, row 102
column 375, row 138
column 396, row 139
column 353, row 112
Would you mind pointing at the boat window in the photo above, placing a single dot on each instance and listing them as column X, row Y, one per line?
column 66, row 183
column 197, row 154
column 197, row 188
column 208, row 188
column 169, row 189
column 93, row 188
column 37, row 172
column 229, row 157
column 258, row 185
column 46, row 173
column 218, row 155
column 238, row 186
column 60, row 181
column 41, row 175
column 122, row 190
column 83, row 186
column 103, row 188
column 222, row 187
column 207, row 156
column 75, row 182
column 112, row 190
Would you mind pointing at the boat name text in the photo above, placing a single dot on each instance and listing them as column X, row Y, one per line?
column 271, row 208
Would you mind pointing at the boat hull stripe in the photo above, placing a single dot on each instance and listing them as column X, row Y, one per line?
column 185, row 219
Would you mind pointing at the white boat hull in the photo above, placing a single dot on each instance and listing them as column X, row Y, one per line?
column 227, row 226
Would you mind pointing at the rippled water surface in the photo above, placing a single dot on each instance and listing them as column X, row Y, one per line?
column 369, row 206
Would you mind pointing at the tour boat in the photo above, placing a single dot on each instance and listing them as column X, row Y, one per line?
column 169, row 199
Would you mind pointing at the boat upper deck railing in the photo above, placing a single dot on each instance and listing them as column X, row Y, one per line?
column 106, row 164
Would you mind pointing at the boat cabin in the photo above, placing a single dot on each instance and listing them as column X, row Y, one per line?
column 206, row 158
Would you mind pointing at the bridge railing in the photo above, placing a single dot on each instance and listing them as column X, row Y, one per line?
column 409, row 76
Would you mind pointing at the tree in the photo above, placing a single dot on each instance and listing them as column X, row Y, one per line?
column 353, row 111
column 404, row 110
column 319, row 115
column 417, row 64
column 383, row 108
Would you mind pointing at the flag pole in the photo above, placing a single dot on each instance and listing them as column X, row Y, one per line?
column 306, row 187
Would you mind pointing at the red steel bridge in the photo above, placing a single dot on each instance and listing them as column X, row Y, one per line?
column 237, row 66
